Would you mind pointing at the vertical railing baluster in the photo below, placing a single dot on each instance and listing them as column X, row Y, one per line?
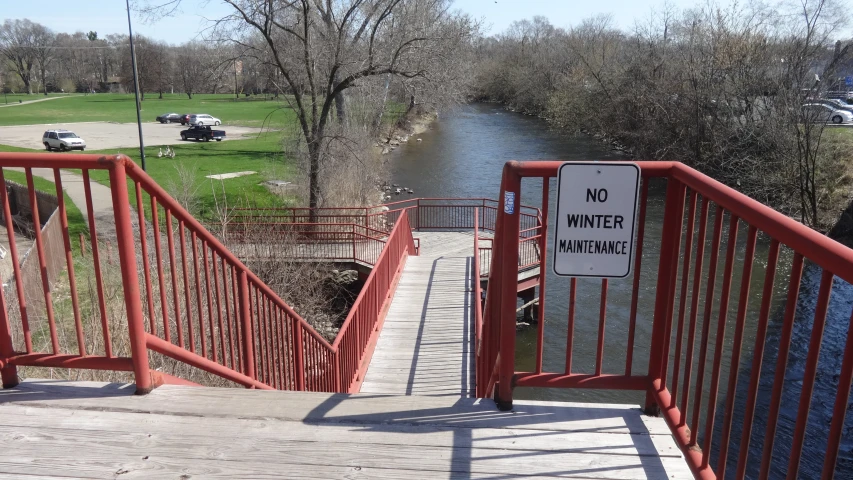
column 839, row 410
column 170, row 239
column 245, row 317
column 96, row 261
column 210, row 322
column 146, row 264
column 810, row 373
column 706, row 324
column 186, row 280
column 570, row 324
column 16, row 266
column 161, row 280
column 602, row 316
column 682, row 301
column 719, row 339
column 299, row 365
column 199, row 306
column 758, row 354
column 694, row 309
column 69, row 263
column 781, row 363
column 638, row 262
column 734, row 366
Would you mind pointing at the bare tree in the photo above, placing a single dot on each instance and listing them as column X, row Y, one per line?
column 43, row 45
column 22, row 42
column 321, row 49
column 193, row 70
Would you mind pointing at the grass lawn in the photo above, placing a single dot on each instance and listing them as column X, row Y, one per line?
column 193, row 160
column 196, row 160
column 114, row 107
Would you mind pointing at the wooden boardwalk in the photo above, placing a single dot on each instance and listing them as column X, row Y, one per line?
column 414, row 417
column 425, row 347
column 54, row 429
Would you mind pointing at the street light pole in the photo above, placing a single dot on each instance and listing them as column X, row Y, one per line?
column 135, row 86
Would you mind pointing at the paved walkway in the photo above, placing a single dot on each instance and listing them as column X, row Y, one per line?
column 425, row 347
column 36, row 101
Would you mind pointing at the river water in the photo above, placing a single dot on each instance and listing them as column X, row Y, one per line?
column 462, row 156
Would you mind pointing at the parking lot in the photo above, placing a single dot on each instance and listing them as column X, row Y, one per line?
column 109, row 135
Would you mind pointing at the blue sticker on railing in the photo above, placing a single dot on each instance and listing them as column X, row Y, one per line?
column 509, row 202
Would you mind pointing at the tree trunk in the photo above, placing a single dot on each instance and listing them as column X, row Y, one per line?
column 313, row 177
column 340, row 101
column 190, row 95
column 29, row 86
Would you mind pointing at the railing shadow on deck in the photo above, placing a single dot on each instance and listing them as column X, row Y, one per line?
column 466, row 415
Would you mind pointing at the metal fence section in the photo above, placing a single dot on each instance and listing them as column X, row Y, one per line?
column 176, row 292
column 707, row 265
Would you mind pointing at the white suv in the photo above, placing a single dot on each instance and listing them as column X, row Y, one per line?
column 204, row 119
column 62, row 140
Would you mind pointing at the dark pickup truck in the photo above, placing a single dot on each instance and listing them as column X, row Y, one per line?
column 203, row 133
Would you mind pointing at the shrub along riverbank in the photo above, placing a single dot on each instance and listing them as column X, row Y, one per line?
column 720, row 89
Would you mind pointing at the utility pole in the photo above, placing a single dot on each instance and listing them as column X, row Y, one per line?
column 135, row 86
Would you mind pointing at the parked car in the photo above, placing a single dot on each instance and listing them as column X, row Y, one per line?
column 202, row 132
column 169, row 118
column 204, row 119
column 62, row 140
column 185, row 118
column 822, row 113
column 844, row 95
column 835, row 103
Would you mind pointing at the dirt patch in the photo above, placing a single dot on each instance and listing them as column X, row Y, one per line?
column 108, row 135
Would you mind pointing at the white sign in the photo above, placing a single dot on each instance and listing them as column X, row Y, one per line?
column 596, row 219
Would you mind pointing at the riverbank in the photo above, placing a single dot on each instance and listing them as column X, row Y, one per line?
column 404, row 130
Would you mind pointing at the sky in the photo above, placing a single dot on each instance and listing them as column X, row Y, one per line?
column 110, row 16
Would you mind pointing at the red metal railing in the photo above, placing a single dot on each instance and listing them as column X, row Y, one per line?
column 176, row 289
column 364, row 227
column 424, row 213
column 305, row 241
column 683, row 377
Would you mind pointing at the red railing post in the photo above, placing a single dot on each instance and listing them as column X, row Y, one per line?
column 130, row 278
column 506, row 241
column 298, row 361
column 246, row 332
column 671, row 233
column 8, row 373
column 338, row 382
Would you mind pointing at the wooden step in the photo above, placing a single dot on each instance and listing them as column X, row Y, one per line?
column 99, row 430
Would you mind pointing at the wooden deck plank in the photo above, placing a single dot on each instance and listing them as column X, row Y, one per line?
column 95, row 430
column 429, row 323
column 50, row 432
column 335, row 408
column 246, row 429
column 459, row 456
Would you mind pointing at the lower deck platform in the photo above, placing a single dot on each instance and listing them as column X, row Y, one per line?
column 60, row 429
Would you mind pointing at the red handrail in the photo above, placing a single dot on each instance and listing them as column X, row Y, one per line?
column 208, row 297
column 689, row 195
